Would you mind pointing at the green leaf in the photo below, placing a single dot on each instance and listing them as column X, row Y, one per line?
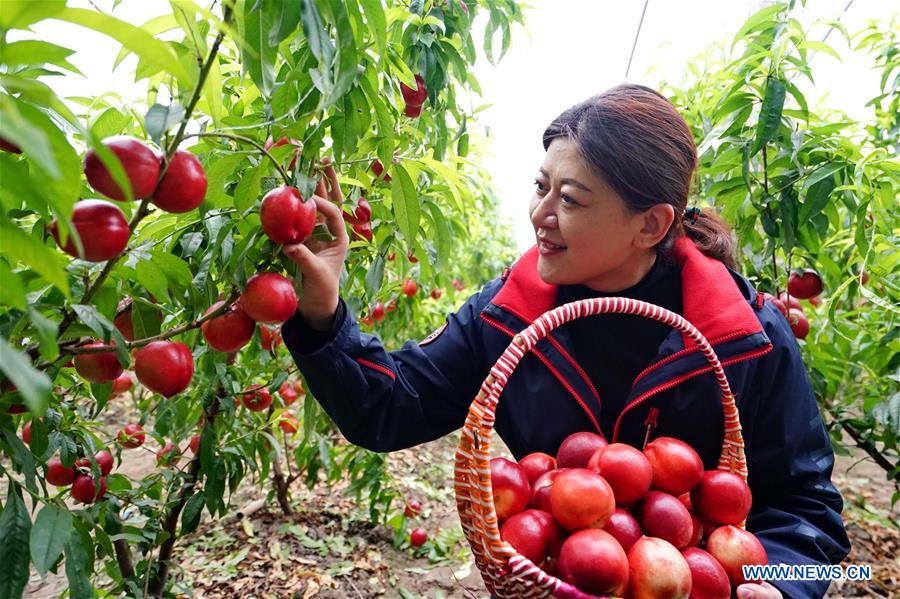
column 110, row 122
column 375, row 276
column 382, row 117
column 819, row 46
column 215, row 486
column 34, row 52
column 176, row 270
column 862, row 244
column 154, row 26
column 46, row 330
column 28, row 136
column 145, row 319
column 19, row 248
column 78, row 568
column 444, row 235
column 248, row 189
column 319, row 41
column 40, row 94
column 101, row 393
column 15, row 526
column 52, row 528
column 94, row 320
column 818, row 191
column 758, row 21
column 377, row 22
column 193, row 509
column 212, row 92
column 788, row 204
column 33, row 384
column 153, row 279
column 347, row 67
column 153, row 52
column 405, row 203
column 462, row 146
column 19, row 14
column 12, row 291
column 218, row 175
column 770, row 113
column 160, row 119
column 284, row 20
column 257, row 53
column 61, row 191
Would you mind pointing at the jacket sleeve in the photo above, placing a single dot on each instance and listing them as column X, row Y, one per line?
column 796, row 510
column 388, row 400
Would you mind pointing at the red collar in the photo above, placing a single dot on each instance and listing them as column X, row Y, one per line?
column 711, row 299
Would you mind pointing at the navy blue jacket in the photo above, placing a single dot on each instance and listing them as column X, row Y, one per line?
column 386, row 401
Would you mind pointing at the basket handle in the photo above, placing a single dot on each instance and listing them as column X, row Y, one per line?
column 481, row 412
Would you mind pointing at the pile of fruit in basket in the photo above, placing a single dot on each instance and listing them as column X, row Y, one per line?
column 609, row 518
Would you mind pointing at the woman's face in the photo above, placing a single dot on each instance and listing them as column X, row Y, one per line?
column 585, row 233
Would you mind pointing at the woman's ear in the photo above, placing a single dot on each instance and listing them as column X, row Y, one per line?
column 655, row 223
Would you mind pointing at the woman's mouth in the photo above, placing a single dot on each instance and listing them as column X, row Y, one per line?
column 546, row 248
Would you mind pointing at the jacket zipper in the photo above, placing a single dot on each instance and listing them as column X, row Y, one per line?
column 650, row 423
column 678, row 380
column 546, row 362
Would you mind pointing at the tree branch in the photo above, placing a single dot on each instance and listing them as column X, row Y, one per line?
column 170, row 523
column 252, row 142
column 870, row 449
column 123, row 557
column 98, row 349
column 143, row 210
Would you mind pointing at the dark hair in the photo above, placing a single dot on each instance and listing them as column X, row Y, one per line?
column 642, row 147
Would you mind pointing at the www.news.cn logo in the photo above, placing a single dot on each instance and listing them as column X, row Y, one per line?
column 807, row 572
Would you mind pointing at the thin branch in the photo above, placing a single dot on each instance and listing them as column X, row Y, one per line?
column 254, row 143
column 188, row 326
column 870, row 449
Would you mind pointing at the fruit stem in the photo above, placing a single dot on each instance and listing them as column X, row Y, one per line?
column 252, row 142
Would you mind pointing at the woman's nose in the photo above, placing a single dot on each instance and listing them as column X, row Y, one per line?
column 543, row 214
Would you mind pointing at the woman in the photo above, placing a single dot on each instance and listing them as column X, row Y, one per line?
column 611, row 219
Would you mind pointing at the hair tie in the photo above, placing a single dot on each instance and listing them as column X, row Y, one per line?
column 691, row 213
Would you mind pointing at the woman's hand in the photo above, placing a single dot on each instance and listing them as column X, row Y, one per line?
column 762, row 590
column 320, row 262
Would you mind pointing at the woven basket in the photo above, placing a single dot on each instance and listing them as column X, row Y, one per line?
column 506, row 573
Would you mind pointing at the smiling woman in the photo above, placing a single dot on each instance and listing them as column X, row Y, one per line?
column 621, row 165
column 610, row 218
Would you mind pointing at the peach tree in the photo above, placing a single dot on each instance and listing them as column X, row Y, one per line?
column 133, row 241
column 812, row 195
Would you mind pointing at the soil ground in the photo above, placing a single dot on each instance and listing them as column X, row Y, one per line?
column 328, row 548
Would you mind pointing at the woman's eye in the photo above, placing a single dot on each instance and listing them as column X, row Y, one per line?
column 540, row 186
column 567, row 200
